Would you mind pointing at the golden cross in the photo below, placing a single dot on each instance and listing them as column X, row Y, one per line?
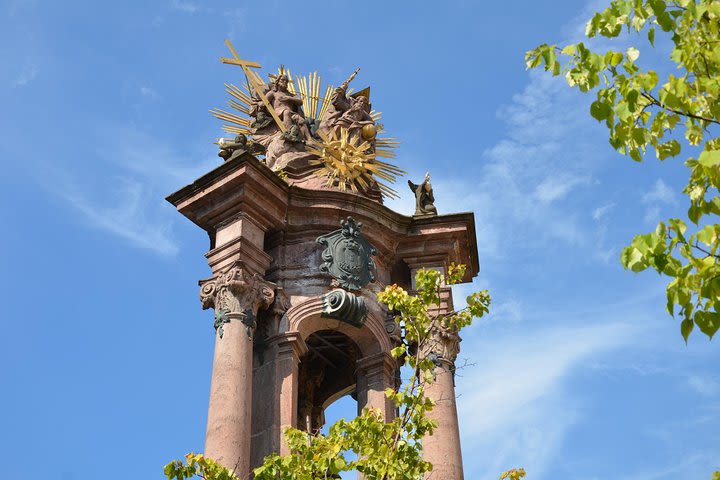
column 257, row 88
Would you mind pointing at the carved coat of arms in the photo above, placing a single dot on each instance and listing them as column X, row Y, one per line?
column 347, row 256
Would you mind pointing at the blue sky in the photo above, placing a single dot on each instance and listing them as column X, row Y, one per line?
column 106, row 355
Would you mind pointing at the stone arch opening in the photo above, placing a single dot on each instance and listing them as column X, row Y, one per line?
column 327, row 372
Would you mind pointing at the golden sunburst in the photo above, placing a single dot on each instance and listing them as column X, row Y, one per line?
column 351, row 163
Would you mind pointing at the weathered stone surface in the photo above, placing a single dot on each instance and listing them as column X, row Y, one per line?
column 268, row 286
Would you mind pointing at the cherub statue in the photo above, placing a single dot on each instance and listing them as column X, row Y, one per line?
column 424, row 198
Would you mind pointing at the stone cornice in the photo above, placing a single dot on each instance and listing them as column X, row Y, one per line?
column 245, row 185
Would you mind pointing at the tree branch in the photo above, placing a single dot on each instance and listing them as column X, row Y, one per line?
column 656, row 102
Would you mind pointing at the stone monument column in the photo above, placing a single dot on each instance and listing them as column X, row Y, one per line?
column 236, row 296
column 442, row 448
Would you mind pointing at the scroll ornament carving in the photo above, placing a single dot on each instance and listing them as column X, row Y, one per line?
column 344, row 306
column 236, row 294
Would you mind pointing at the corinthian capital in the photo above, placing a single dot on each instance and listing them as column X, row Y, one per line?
column 236, row 294
column 442, row 346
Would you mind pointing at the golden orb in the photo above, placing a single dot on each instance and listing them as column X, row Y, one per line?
column 368, row 132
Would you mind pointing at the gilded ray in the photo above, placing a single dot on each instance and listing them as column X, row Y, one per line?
column 351, row 163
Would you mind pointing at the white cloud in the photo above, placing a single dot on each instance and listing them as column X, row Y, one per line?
column 557, row 187
column 28, row 73
column 660, row 193
column 693, row 467
column 507, row 311
column 520, row 389
column 148, row 92
column 132, row 206
column 542, row 160
column 600, row 212
column 127, row 217
column 185, row 6
column 704, row 385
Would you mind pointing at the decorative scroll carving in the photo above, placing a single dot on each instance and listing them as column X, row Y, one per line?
column 347, row 256
column 344, row 306
column 236, row 295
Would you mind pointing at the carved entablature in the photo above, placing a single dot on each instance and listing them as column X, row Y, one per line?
column 236, row 294
column 347, row 256
column 442, row 346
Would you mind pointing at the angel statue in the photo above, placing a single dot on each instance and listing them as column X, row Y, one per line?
column 349, row 112
column 424, row 198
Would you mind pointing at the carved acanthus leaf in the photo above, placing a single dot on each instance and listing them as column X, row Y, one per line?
column 236, row 294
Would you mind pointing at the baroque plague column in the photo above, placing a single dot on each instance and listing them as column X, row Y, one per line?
column 300, row 245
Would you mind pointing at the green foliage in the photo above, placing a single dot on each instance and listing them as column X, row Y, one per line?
column 197, row 465
column 641, row 114
column 382, row 451
column 514, row 474
column 716, row 476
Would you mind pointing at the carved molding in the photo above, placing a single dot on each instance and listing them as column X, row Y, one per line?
column 236, row 294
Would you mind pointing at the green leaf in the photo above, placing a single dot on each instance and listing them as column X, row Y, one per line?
column 667, row 149
column 707, row 235
column 600, row 110
column 709, row 158
column 707, row 322
column 616, row 58
column 622, row 110
column 651, row 36
column 633, row 54
column 686, row 327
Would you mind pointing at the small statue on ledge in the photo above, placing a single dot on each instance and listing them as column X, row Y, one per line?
column 230, row 149
column 424, row 198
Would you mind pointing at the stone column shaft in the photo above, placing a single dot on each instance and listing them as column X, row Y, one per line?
column 236, row 296
column 229, row 412
column 375, row 374
column 442, row 448
column 291, row 348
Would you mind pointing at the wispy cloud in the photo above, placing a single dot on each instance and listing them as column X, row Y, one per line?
column 185, row 6
column 127, row 217
column 704, row 385
column 148, row 92
column 557, row 187
column 132, row 205
column 532, row 179
column 661, row 194
column 600, row 212
column 520, row 389
column 27, row 74
column 693, row 466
